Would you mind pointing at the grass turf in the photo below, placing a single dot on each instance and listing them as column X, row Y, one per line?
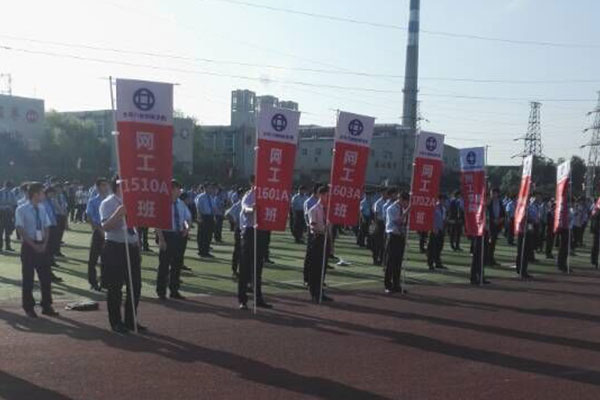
column 213, row 277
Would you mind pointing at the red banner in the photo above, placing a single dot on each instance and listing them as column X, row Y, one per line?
column 523, row 198
column 427, row 172
column 350, row 157
column 145, row 142
column 472, row 165
column 561, row 209
column 277, row 132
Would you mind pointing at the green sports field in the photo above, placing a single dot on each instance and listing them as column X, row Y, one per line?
column 213, row 277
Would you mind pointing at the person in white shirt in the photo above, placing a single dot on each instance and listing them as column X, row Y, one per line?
column 318, row 226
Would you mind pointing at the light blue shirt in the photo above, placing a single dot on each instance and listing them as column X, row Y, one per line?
column 26, row 219
column 117, row 234
column 49, row 205
column 510, row 208
column 204, row 204
column 234, row 213
column 308, row 204
column 219, row 203
column 533, row 213
column 395, row 222
column 8, row 200
column 298, row 202
column 247, row 212
column 378, row 209
column 439, row 217
column 93, row 209
column 365, row 208
column 178, row 216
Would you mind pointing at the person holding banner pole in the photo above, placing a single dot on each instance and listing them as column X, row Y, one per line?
column 317, row 219
column 595, row 228
column 114, row 286
column 254, row 243
column 395, row 227
column 121, row 244
column 308, row 204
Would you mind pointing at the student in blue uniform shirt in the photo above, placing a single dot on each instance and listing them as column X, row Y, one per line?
column 395, row 227
column 233, row 214
column 219, row 202
column 364, row 220
column 8, row 205
column 33, row 225
column 97, row 243
column 206, row 220
column 247, row 221
column 378, row 245
column 170, row 243
column 308, row 204
column 436, row 236
column 297, row 213
column 53, row 238
column 114, row 258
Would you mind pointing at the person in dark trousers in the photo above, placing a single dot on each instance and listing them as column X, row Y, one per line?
column 456, row 220
column 206, row 220
column 93, row 215
column 8, row 205
column 297, row 214
column 378, row 241
column 249, row 257
column 33, row 225
column 436, row 236
column 476, row 259
column 395, row 228
column 526, row 241
column 549, row 239
column 366, row 211
column 308, row 204
column 318, row 226
column 233, row 214
column 219, row 202
column 564, row 226
column 114, row 258
column 53, row 234
column 143, row 232
column 170, row 243
column 61, row 209
column 496, row 215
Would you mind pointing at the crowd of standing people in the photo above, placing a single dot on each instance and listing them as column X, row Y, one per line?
column 41, row 213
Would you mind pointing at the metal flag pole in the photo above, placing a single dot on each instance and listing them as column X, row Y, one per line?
column 255, row 244
column 125, row 233
column 569, row 225
column 481, row 272
column 407, row 236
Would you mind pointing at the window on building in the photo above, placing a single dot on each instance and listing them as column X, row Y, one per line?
column 304, row 152
column 387, row 155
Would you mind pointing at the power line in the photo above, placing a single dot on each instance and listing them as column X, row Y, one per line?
column 292, row 68
column 290, row 82
column 404, row 28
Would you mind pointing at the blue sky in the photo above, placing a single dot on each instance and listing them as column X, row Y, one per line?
column 229, row 33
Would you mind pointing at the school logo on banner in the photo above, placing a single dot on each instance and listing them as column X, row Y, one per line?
column 145, row 142
column 473, row 189
column 276, row 152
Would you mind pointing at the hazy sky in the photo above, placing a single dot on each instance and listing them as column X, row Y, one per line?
column 212, row 43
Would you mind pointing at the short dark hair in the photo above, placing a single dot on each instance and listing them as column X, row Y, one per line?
column 34, row 188
column 324, row 189
column 392, row 191
column 176, row 183
column 496, row 190
column 316, row 187
column 301, row 187
column 50, row 189
column 252, row 179
column 404, row 195
column 101, row 181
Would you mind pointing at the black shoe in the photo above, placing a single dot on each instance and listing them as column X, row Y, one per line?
column 440, row 267
column 243, row 306
column 177, row 296
column 527, row 276
column 330, row 266
column 50, row 312
column 55, row 279
column 95, row 288
column 31, row 313
column 161, row 296
column 263, row 304
column 59, row 254
column 326, row 298
column 185, row 268
column 315, row 299
column 140, row 328
column 235, row 276
column 120, row 328
column 207, row 255
column 8, row 248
